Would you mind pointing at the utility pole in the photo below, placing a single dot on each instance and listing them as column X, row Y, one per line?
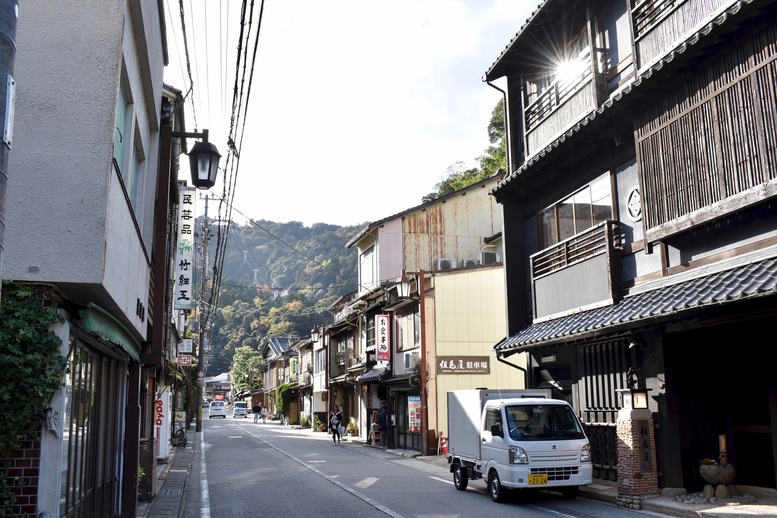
column 201, row 346
column 9, row 11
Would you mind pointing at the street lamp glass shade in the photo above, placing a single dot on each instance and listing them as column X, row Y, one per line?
column 204, row 163
column 403, row 288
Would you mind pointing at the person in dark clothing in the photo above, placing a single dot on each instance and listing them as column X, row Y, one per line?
column 256, row 410
column 382, row 428
column 335, row 421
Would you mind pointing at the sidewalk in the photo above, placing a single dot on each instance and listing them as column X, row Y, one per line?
column 760, row 502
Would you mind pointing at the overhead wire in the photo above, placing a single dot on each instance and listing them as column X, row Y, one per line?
column 190, row 91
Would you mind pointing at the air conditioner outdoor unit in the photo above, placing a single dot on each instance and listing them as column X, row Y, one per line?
column 466, row 263
column 446, row 264
column 412, row 360
column 489, row 258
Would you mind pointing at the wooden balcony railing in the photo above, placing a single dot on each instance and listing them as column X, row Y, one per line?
column 558, row 93
column 592, row 242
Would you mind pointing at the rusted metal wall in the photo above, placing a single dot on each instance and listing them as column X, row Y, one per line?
column 452, row 229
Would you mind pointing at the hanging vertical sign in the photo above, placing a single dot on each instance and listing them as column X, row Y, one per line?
column 382, row 338
column 184, row 260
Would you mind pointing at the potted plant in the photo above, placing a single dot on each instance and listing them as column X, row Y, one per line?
column 318, row 425
column 350, row 429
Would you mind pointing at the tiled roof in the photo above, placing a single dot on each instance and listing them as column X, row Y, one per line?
column 748, row 281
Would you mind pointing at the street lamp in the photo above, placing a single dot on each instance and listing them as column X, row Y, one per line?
column 203, row 159
column 204, row 163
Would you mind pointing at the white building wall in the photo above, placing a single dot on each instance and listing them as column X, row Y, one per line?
column 68, row 220
column 51, row 442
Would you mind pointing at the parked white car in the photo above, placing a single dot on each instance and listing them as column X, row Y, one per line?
column 217, row 409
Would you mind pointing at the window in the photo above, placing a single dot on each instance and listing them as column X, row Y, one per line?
column 136, row 182
column 582, row 210
column 370, row 332
column 318, row 360
column 367, row 268
column 408, row 330
column 120, row 131
column 493, row 417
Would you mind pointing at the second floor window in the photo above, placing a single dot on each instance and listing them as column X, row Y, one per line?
column 408, row 334
column 370, row 332
column 367, row 268
column 582, row 210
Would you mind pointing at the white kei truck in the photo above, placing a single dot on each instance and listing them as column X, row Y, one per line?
column 516, row 439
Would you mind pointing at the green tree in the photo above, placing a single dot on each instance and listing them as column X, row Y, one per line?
column 495, row 157
column 491, row 162
column 246, row 369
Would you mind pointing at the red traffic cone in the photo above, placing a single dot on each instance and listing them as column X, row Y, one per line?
column 443, row 444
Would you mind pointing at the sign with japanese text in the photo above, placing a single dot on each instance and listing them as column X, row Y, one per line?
column 382, row 338
column 463, row 365
column 414, row 414
column 184, row 258
column 185, row 360
column 185, row 346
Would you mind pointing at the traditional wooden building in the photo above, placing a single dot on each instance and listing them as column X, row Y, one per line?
column 641, row 221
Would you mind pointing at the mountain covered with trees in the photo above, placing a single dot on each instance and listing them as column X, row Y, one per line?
column 276, row 279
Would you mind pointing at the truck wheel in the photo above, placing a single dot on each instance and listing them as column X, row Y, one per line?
column 570, row 492
column 495, row 488
column 460, row 478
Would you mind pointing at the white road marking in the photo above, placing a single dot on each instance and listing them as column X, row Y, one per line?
column 204, row 495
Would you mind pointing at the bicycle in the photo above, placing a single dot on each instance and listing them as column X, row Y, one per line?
column 179, row 438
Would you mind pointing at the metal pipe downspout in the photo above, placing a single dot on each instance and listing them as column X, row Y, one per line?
column 514, row 366
column 508, row 149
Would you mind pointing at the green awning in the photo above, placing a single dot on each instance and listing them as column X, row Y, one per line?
column 102, row 323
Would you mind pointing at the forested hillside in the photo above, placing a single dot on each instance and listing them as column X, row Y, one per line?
column 277, row 279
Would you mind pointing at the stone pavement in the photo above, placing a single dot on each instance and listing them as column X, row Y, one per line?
column 175, row 481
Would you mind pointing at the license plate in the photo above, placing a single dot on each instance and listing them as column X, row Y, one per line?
column 538, row 479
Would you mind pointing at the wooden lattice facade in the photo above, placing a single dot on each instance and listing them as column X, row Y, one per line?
column 712, row 139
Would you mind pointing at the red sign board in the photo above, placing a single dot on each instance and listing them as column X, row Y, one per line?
column 184, row 360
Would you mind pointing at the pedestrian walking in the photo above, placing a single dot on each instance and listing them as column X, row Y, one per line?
column 264, row 414
column 256, row 410
column 335, row 421
column 383, row 426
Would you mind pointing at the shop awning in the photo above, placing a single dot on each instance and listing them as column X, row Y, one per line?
column 372, row 375
column 105, row 325
column 748, row 280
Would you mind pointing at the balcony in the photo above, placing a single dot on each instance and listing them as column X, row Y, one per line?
column 560, row 106
column 581, row 272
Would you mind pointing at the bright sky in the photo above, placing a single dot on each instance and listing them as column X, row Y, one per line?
column 356, row 108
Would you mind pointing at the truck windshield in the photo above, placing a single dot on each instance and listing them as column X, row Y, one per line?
column 542, row 422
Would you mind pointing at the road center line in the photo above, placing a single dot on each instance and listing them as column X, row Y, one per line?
column 377, row 505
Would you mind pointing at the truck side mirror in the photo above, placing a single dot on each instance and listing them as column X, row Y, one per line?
column 496, row 430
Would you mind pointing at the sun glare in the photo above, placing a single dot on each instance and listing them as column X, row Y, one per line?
column 568, row 71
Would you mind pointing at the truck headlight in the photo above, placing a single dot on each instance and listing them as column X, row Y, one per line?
column 585, row 453
column 517, row 455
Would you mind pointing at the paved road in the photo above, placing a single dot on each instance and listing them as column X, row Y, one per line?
column 238, row 468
